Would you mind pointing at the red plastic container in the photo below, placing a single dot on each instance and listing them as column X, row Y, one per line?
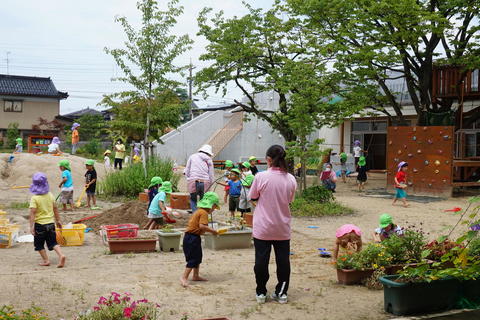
column 120, row 231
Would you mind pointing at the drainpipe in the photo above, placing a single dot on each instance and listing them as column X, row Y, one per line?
column 342, row 137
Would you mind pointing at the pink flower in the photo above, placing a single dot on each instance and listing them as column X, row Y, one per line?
column 127, row 312
column 102, row 300
column 142, row 301
column 96, row 308
column 133, row 305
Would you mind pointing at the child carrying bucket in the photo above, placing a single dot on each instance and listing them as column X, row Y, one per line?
column 348, row 240
column 401, row 184
column 157, row 211
column 192, row 242
column 43, row 217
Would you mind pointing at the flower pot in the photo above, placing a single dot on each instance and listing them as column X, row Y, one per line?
column 419, row 297
column 180, row 201
column 132, row 245
column 350, row 276
column 248, row 217
column 169, row 241
column 143, row 197
column 233, row 239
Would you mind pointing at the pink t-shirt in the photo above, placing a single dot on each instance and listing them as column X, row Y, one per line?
column 275, row 190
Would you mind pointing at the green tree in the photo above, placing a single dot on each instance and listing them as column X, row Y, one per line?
column 147, row 62
column 92, row 126
column 265, row 51
column 12, row 134
column 375, row 41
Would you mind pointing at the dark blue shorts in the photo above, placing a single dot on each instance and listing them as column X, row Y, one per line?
column 192, row 248
column 44, row 233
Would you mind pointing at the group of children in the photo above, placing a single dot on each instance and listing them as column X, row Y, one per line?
column 348, row 238
column 328, row 176
column 158, row 212
column 237, row 183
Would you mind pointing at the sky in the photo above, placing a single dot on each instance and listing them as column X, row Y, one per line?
column 64, row 40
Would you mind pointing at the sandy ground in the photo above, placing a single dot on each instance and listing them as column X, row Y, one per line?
column 314, row 293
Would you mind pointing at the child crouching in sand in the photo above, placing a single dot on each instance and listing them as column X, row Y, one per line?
column 192, row 242
column 43, row 217
column 348, row 240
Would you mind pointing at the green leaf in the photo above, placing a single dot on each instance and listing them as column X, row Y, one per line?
column 442, row 239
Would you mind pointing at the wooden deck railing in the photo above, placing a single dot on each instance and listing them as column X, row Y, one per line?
column 456, row 83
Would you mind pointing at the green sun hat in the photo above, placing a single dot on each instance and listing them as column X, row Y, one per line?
column 90, row 162
column 229, row 163
column 19, row 140
column 166, row 187
column 248, row 180
column 252, row 158
column 209, row 200
column 247, row 165
column 343, row 156
column 155, row 181
column 65, row 163
column 362, row 161
column 236, row 171
column 385, row 220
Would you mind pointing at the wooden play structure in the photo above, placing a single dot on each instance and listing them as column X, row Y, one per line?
column 37, row 143
column 444, row 156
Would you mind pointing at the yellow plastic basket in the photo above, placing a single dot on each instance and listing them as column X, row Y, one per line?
column 74, row 235
column 4, row 221
column 8, row 235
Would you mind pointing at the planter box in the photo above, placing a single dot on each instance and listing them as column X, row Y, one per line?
column 349, row 277
column 416, row 298
column 470, row 293
column 234, row 239
column 143, row 197
column 180, row 201
column 132, row 245
column 169, row 241
column 248, row 217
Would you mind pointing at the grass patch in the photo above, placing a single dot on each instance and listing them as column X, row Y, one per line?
column 19, row 205
column 305, row 208
column 131, row 180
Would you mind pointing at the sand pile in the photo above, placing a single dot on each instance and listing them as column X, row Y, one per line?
column 131, row 212
column 19, row 173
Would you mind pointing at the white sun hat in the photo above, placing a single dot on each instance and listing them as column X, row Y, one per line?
column 206, row 149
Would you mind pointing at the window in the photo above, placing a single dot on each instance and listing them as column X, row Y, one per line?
column 12, row 106
column 361, row 126
column 379, row 126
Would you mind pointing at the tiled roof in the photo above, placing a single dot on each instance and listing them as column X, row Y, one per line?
column 29, row 86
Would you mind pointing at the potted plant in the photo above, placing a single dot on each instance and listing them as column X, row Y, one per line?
column 169, row 239
column 450, row 281
column 132, row 245
column 248, row 217
column 405, row 250
column 356, row 267
column 238, row 236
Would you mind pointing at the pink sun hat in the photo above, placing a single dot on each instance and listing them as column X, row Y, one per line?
column 347, row 228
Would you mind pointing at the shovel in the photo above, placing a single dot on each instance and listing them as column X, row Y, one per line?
column 79, row 201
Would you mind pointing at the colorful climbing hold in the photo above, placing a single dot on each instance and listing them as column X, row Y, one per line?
column 419, row 151
column 414, row 138
column 410, row 155
column 429, row 141
column 415, row 170
column 426, row 162
column 437, row 171
column 437, row 163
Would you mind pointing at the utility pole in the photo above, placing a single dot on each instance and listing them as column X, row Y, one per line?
column 190, row 89
column 8, row 63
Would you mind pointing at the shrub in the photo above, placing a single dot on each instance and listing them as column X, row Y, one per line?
column 405, row 248
column 12, row 134
column 474, row 247
column 131, row 180
column 373, row 256
column 318, row 194
column 304, row 208
column 92, row 147
column 33, row 313
column 120, row 307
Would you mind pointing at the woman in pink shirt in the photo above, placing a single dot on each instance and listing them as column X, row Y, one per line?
column 199, row 173
column 274, row 190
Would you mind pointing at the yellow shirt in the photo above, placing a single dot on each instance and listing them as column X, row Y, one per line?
column 44, row 205
column 119, row 151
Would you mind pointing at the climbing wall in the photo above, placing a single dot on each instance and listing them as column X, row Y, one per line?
column 429, row 153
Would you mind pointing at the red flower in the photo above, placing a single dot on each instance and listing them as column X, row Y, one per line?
column 102, row 300
column 127, row 312
column 96, row 308
column 456, row 209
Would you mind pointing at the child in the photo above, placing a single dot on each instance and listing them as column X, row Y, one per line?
column 329, row 178
column 43, row 217
column 253, row 165
column 19, row 145
column 91, row 183
column 386, row 228
column 157, row 211
column 245, row 168
column 66, row 185
column 75, row 137
column 357, row 152
column 244, row 201
column 343, row 163
column 401, row 184
column 228, row 168
column 362, row 173
column 54, row 147
column 155, row 184
column 234, row 191
column 136, row 156
column 106, row 160
column 192, row 243
column 348, row 240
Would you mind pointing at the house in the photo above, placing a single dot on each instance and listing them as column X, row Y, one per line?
column 24, row 100
column 106, row 114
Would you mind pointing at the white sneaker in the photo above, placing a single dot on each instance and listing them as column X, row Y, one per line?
column 261, row 298
column 282, row 299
